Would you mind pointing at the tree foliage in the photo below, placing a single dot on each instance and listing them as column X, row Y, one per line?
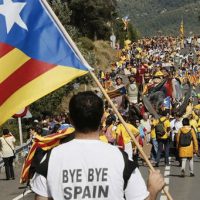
column 153, row 16
column 63, row 12
column 131, row 33
column 92, row 17
column 50, row 104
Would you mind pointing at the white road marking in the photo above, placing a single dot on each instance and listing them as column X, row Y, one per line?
column 166, row 173
column 166, row 179
column 22, row 195
column 167, row 168
column 163, row 197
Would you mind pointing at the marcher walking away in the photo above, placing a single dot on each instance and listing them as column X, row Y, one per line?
column 187, row 145
column 7, row 149
column 121, row 133
column 162, row 130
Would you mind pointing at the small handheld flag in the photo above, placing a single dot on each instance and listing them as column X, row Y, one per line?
column 116, row 93
column 167, row 103
column 35, row 57
column 125, row 20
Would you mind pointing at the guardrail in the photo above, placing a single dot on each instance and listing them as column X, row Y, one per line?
column 18, row 150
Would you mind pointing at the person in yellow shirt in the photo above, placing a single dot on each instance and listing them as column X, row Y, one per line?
column 162, row 131
column 105, row 115
column 158, row 72
column 121, row 131
column 197, row 107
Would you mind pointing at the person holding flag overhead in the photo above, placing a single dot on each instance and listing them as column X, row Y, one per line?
column 30, row 57
column 89, row 168
column 125, row 20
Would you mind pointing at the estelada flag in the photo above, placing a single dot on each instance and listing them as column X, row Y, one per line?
column 44, row 143
column 35, row 57
column 167, row 103
column 116, row 93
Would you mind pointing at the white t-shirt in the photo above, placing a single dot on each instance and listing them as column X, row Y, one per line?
column 175, row 126
column 146, row 124
column 88, row 169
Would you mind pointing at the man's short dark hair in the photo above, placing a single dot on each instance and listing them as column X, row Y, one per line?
column 186, row 122
column 86, row 110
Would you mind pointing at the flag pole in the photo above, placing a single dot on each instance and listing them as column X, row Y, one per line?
column 182, row 33
column 20, row 130
column 66, row 35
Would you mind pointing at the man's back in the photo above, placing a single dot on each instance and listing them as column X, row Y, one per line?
column 86, row 168
column 90, row 169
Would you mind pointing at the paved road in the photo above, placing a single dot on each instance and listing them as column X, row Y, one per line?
column 180, row 188
column 12, row 188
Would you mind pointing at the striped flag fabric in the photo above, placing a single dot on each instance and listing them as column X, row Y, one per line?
column 45, row 143
column 35, row 56
column 116, row 93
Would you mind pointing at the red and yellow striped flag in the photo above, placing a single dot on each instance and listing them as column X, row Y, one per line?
column 45, row 143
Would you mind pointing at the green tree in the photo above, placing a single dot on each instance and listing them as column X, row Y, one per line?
column 50, row 104
column 131, row 33
column 63, row 12
column 92, row 17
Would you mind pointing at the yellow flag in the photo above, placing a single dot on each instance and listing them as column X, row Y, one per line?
column 182, row 30
column 182, row 34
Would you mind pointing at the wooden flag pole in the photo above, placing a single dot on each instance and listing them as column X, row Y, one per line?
column 78, row 53
column 127, row 129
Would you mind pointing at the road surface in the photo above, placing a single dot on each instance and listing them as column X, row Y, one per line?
column 180, row 188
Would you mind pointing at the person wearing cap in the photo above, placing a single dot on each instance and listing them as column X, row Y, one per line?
column 87, row 168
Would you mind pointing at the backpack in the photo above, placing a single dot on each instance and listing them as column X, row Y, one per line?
column 185, row 139
column 160, row 129
column 198, row 136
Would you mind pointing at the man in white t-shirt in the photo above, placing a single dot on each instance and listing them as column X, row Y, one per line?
column 86, row 168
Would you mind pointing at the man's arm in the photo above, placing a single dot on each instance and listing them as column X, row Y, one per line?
column 155, row 184
column 38, row 197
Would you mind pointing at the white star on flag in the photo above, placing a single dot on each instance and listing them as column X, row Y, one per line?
column 11, row 11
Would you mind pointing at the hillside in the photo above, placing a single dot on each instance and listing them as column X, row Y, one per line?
column 153, row 16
